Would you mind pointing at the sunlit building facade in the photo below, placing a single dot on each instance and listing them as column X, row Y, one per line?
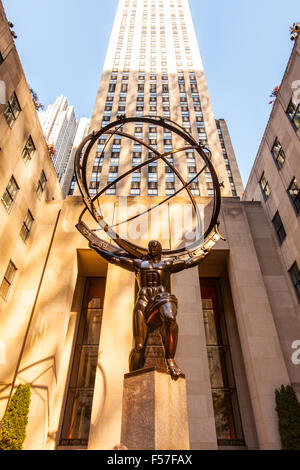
column 66, row 315
column 275, row 177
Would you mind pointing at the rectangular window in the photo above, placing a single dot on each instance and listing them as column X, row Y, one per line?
column 10, row 193
column 26, row 227
column 77, row 416
column 28, row 150
column 295, row 278
column 41, row 185
column 111, row 191
column 12, row 110
column 264, row 185
column 7, row 280
column 279, row 228
column 294, row 195
column 72, row 186
column 293, row 113
column 278, row 154
column 135, row 188
column 224, row 393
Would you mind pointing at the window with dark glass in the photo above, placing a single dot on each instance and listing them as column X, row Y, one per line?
column 293, row 113
column 77, row 416
column 72, row 185
column 7, row 280
column 194, row 185
column 12, row 110
column 135, row 187
column 294, row 195
column 264, row 185
column 9, row 194
column 279, row 228
column 278, row 154
column 225, row 400
column 102, row 141
column 41, row 185
column 152, row 169
column 28, row 150
column 113, row 169
column 111, row 190
column 295, row 278
column 112, row 87
column 26, row 227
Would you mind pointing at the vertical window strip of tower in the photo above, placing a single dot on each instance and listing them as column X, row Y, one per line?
column 226, row 160
column 143, row 49
column 120, row 42
column 153, row 39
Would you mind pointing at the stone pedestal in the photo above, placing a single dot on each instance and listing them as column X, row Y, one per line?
column 154, row 415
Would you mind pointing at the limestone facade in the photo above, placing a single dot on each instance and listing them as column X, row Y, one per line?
column 276, row 168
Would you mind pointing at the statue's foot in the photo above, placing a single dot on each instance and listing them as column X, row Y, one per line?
column 174, row 369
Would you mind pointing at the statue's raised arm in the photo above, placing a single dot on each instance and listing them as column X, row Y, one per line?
column 180, row 265
column 120, row 260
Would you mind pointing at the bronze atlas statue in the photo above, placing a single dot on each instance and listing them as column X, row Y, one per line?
column 155, row 307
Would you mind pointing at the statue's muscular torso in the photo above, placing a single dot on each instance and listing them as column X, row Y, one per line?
column 154, row 276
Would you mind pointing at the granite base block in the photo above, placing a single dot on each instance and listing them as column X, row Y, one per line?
column 154, row 414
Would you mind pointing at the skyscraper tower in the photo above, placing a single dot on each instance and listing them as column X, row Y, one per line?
column 153, row 67
column 59, row 125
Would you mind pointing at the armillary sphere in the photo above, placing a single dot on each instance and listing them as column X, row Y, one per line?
column 208, row 238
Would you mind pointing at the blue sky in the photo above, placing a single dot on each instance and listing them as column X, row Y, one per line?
column 244, row 44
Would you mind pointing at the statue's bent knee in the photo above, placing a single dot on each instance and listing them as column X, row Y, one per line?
column 139, row 345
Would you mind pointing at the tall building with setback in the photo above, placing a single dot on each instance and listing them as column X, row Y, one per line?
column 153, row 67
column 69, row 181
column 232, row 168
column 59, row 125
column 66, row 314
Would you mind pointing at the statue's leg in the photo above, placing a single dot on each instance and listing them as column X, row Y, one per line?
column 169, row 334
column 139, row 337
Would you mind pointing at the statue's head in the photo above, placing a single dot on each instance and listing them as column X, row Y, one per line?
column 155, row 249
